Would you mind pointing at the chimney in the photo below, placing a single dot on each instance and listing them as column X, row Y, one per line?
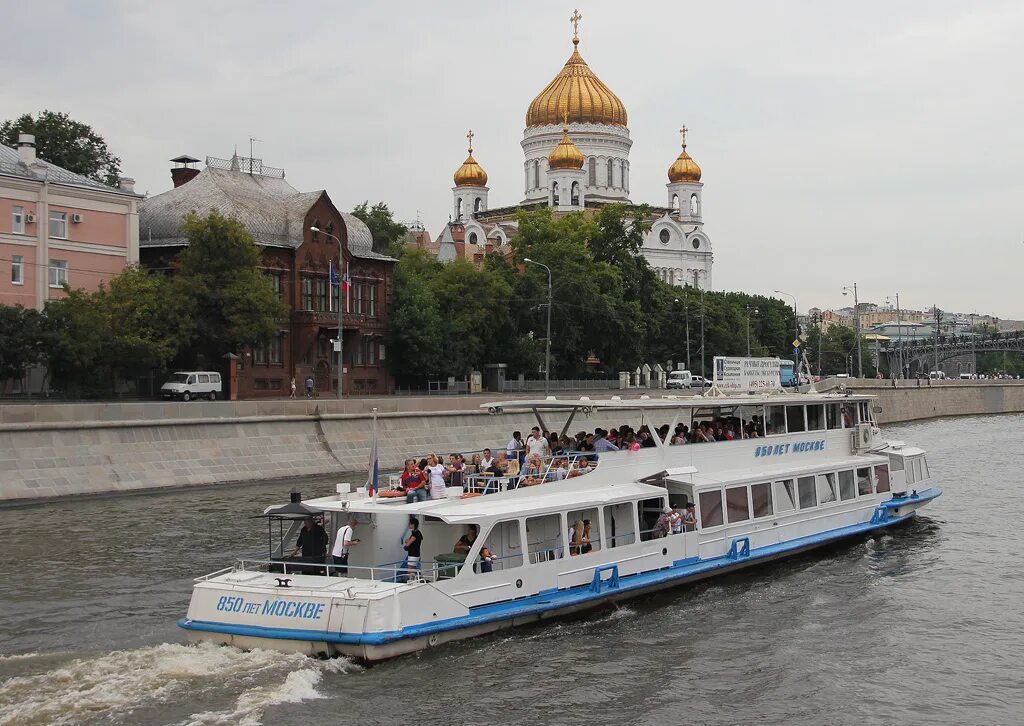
column 26, row 148
column 184, row 171
column 127, row 184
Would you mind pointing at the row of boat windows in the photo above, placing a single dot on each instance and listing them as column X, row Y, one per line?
column 767, row 499
column 916, row 467
column 814, row 417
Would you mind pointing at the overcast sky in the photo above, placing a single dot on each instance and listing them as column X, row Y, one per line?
column 870, row 142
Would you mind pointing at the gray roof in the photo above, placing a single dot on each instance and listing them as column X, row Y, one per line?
column 269, row 208
column 39, row 170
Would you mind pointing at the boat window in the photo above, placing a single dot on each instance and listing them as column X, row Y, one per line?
column 544, row 538
column 761, row 496
column 847, row 490
column 775, row 420
column 882, row 478
column 710, row 508
column 795, row 418
column 815, row 417
column 826, row 488
column 864, row 481
column 832, row 417
column 648, row 513
column 863, row 412
column 590, row 522
column 846, row 414
column 505, row 544
column 924, row 468
column 805, row 485
column 785, row 496
column 895, row 462
column 620, row 524
column 736, row 504
column 917, row 470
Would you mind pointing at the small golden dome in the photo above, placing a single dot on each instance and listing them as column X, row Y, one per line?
column 470, row 174
column 566, row 155
column 684, row 168
column 576, row 91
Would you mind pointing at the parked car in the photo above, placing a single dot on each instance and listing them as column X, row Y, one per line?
column 937, row 375
column 187, row 385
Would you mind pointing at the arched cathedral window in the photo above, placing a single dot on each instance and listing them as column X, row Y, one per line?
column 675, row 202
column 622, row 173
column 536, row 175
column 554, row 194
column 575, row 194
column 694, row 207
column 478, row 205
column 592, row 171
column 610, row 166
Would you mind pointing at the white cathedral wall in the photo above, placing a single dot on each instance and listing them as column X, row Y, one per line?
column 603, row 143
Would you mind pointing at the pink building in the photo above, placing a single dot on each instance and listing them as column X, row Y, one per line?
column 59, row 227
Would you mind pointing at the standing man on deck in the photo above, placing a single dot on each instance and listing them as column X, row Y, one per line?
column 342, row 544
column 537, row 444
column 312, row 541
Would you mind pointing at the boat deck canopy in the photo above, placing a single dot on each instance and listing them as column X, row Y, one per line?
column 552, row 403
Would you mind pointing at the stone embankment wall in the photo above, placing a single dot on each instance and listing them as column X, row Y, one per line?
column 51, row 450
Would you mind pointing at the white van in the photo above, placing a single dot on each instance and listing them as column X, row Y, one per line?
column 187, row 385
column 685, row 379
column 937, row 375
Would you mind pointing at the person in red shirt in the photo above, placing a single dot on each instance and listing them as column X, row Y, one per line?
column 414, row 483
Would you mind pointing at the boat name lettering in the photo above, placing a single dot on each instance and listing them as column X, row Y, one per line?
column 280, row 608
column 783, row 449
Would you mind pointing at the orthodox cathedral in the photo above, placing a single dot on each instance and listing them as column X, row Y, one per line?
column 576, row 148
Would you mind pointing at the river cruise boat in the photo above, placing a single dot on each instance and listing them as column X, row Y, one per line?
column 802, row 470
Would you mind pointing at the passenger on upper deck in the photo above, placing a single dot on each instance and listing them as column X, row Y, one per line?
column 414, row 483
column 536, row 443
column 601, row 442
column 435, row 470
column 486, row 460
column 515, row 446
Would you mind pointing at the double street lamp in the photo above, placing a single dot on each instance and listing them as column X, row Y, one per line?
column 856, row 326
column 341, row 306
column 547, row 342
column 796, row 333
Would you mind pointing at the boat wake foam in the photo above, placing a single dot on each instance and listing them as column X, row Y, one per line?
column 122, row 681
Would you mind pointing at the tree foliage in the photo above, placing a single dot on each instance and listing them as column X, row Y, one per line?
column 67, row 143
column 220, row 287
column 24, row 340
column 388, row 235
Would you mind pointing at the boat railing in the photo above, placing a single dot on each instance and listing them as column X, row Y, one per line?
column 399, row 571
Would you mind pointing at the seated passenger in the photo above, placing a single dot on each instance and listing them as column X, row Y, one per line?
column 455, row 470
column 486, row 461
column 587, row 547
column 575, row 537
column 465, row 543
column 414, row 483
column 559, row 470
column 474, row 464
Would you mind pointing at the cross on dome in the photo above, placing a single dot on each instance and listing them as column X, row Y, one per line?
column 683, row 131
column 469, row 136
column 575, row 20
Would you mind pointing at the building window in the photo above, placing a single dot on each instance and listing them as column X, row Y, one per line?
column 696, row 243
column 357, row 354
column 371, row 299
column 18, row 220
column 274, row 350
column 323, row 347
column 536, row 175
column 259, row 355
column 458, row 209
column 18, row 270
column 554, row 194
column 625, row 176
column 526, row 169
column 58, row 273
column 592, row 171
column 277, row 282
column 693, row 205
column 330, row 232
column 307, row 293
column 369, row 350
column 472, row 238
column 664, row 236
column 357, row 298
column 609, row 173
column 321, row 295
column 315, row 234
column 575, row 194
column 478, row 205
column 675, row 203
column 59, row 225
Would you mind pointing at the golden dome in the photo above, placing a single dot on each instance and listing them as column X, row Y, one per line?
column 684, row 168
column 566, row 155
column 578, row 93
column 470, row 174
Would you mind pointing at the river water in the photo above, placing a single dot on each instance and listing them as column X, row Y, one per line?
column 923, row 624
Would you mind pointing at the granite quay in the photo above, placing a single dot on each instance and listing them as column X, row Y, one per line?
column 53, row 450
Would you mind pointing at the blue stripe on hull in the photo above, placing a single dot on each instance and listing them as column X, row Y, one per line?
column 551, row 602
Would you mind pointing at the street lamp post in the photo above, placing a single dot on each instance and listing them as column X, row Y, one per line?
column 899, row 335
column 856, row 326
column 686, row 315
column 796, row 332
column 750, row 311
column 547, row 343
column 341, row 307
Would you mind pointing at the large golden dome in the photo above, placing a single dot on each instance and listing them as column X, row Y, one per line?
column 470, row 174
column 578, row 93
column 566, row 155
column 684, row 168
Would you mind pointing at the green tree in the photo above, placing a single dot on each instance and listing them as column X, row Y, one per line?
column 67, row 143
column 220, row 287
column 81, row 331
column 415, row 333
column 388, row 235
column 24, row 340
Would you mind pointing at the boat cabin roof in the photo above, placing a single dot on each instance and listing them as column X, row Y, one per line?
column 518, row 503
column 616, row 403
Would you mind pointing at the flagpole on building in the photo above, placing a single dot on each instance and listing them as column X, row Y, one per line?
column 372, row 474
column 341, row 337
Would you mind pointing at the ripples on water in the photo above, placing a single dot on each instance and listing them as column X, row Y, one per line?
column 919, row 625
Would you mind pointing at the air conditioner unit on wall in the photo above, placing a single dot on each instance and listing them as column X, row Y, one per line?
column 30, row 218
column 862, row 437
column 76, row 218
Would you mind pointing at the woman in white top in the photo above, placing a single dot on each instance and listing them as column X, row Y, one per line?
column 435, row 471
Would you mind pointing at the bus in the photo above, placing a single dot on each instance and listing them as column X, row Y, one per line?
column 786, row 373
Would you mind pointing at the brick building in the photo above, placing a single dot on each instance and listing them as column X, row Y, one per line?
column 281, row 220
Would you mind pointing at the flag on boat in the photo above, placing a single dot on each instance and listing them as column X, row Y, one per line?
column 372, row 484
